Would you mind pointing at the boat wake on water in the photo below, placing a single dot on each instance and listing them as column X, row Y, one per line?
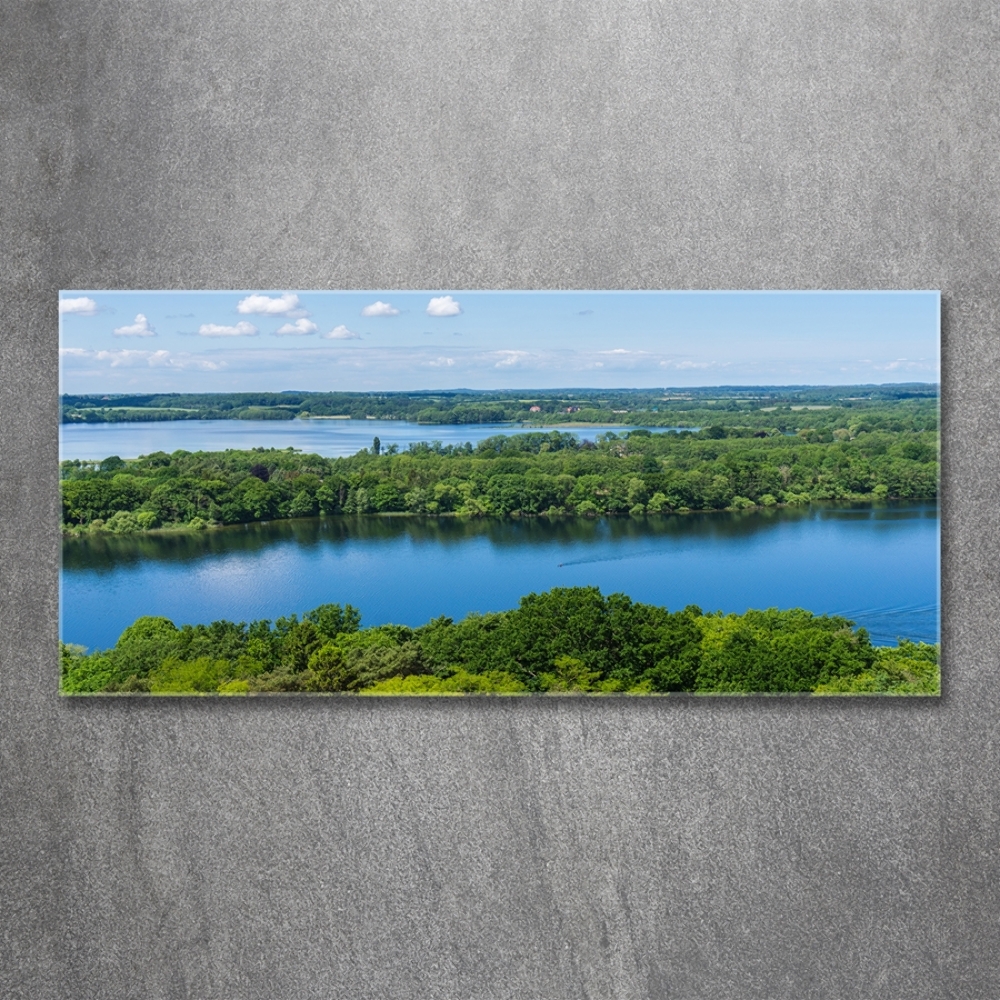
column 885, row 626
column 609, row 559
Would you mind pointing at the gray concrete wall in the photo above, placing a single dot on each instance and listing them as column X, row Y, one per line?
column 295, row 848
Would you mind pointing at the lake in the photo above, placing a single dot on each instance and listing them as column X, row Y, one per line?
column 878, row 566
column 329, row 438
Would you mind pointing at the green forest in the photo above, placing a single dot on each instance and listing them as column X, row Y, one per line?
column 563, row 641
column 697, row 407
column 885, row 452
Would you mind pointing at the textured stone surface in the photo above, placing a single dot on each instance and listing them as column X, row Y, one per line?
column 293, row 848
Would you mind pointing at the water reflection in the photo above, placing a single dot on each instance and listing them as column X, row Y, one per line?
column 106, row 553
column 878, row 567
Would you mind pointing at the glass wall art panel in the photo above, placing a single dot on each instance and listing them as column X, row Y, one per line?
column 481, row 493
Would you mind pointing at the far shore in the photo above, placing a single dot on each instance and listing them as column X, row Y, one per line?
column 526, row 424
column 520, row 424
column 523, row 424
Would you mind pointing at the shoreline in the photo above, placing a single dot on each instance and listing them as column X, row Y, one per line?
column 550, row 424
column 186, row 529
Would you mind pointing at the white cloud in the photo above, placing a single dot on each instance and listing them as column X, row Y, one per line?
column 134, row 358
column 300, row 328
column 904, row 364
column 79, row 307
column 139, row 328
column 687, row 365
column 380, row 309
column 510, row 358
column 122, row 359
column 341, row 333
column 443, row 305
column 441, row 363
column 265, row 305
column 164, row 359
column 242, row 329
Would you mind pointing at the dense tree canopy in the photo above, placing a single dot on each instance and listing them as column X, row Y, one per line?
column 561, row 641
column 892, row 453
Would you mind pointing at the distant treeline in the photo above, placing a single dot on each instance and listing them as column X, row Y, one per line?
column 653, row 408
column 883, row 455
column 566, row 640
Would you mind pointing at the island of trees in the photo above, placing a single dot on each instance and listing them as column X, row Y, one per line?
column 753, row 459
column 566, row 640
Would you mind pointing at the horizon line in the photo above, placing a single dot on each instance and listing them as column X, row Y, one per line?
column 574, row 388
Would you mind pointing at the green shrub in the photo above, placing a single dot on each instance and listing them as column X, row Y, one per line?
column 176, row 676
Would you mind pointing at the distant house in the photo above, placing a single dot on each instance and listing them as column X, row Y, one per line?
column 535, row 409
column 572, row 409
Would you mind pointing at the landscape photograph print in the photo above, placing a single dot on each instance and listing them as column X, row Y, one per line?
column 481, row 493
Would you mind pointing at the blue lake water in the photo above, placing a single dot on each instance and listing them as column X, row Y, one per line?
column 878, row 566
column 330, row 438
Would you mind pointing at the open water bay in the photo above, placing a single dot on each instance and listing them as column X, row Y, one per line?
column 878, row 566
column 330, row 438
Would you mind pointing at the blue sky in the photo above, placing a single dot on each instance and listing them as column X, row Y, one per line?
column 156, row 341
